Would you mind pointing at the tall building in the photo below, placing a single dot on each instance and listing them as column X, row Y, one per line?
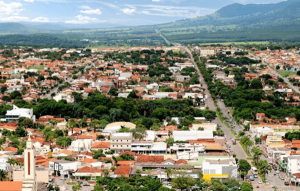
column 29, row 182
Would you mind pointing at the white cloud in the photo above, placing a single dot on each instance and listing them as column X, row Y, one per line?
column 128, row 11
column 85, row 7
column 29, row 0
column 14, row 19
column 13, row 8
column 41, row 20
column 156, row 0
column 91, row 11
column 174, row 11
column 84, row 20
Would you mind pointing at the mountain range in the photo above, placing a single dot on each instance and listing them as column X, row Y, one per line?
column 281, row 17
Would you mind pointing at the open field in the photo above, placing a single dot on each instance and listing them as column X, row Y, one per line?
column 36, row 67
column 237, row 43
column 286, row 73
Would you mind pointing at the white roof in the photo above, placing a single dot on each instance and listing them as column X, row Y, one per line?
column 192, row 135
column 159, row 146
column 150, row 136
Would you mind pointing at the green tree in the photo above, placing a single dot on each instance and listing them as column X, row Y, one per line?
column 20, row 132
column 256, row 84
column 264, row 167
column 182, row 181
column 160, row 113
column 244, row 167
column 113, row 91
column 139, row 133
column 3, row 175
column 246, row 186
column 25, row 122
column 170, row 141
column 64, row 141
column 256, row 154
column 76, row 186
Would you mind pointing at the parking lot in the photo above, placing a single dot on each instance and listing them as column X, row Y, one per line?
column 63, row 184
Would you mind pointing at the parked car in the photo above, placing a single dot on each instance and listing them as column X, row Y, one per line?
column 280, row 176
column 86, row 184
column 251, row 178
column 259, row 182
column 286, row 183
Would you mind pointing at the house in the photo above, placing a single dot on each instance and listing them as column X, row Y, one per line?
column 204, row 126
column 120, row 142
column 150, row 159
column 181, row 78
column 83, row 143
column 87, row 171
column 260, row 116
column 123, row 170
column 17, row 113
column 219, row 168
column 64, row 96
column 104, row 146
column 148, row 147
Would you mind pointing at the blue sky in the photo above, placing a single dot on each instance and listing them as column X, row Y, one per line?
column 120, row 12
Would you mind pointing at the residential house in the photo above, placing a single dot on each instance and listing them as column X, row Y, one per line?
column 16, row 113
column 120, row 142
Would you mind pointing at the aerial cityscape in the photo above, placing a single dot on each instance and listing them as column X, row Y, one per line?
column 158, row 95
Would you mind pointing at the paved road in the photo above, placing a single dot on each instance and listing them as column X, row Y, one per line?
column 209, row 101
column 237, row 149
column 294, row 88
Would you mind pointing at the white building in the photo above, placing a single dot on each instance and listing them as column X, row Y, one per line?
column 17, row 113
column 219, row 168
column 115, row 127
column 192, row 135
column 148, row 147
column 81, row 145
column 63, row 96
column 293, row 165
column 63, row 167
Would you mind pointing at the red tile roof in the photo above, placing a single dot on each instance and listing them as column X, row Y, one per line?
column 101, row 145
column 150, row 159
column 12, row 149
column 181, row 161
column 123, row 170
column 89, row 169
column 11, row 186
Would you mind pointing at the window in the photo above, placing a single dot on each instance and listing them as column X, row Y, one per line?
column 206, row 171
column 212, row 171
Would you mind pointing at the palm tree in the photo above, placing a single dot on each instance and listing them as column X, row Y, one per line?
column 256, row 154
column 71, row 124
column 169, row 172
column 3, row 175
column 264, row 167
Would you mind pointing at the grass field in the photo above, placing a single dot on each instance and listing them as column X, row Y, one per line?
column 237, row 43
column 286, row 73
column 201, row 158
column 36, row 67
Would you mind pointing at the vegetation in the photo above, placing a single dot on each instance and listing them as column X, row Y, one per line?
column 132, row 183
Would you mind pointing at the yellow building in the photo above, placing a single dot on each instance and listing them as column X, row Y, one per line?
column 274, row 141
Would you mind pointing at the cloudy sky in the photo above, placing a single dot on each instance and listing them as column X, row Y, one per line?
column 122, row 12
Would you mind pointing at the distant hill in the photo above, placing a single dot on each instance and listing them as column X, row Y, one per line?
column 246, row 16
column 236, row 22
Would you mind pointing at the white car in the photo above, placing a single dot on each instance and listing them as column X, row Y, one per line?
column 259, row 182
